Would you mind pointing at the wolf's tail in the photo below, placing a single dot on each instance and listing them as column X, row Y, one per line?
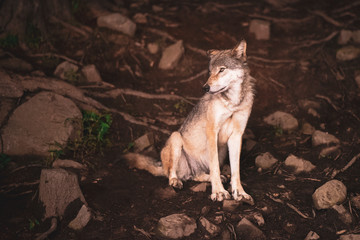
column 143, row 162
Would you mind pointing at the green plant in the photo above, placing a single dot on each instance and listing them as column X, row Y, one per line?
column 4, row 160
column 93, row 135
column 32, row 223
column 56, row 151
column 10, row 41
column 72, row 76
column 129, row 147
column 180, row 107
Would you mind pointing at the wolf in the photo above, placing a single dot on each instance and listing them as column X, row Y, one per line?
column 213, row 129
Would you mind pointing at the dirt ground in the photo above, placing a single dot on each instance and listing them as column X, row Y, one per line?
column 297, row 63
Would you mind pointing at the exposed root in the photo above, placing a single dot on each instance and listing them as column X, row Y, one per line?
column 315, row 42
column 327, row 100
column 327, row 18
column 48, row 232
column 11, row 187
column 204, row 72
column 349, row 164
column 57, row 56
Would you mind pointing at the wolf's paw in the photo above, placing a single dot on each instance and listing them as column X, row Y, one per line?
column 242, row 197
column 220, row 196
column 176, row 183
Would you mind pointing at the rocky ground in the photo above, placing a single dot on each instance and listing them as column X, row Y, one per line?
column 300, row 156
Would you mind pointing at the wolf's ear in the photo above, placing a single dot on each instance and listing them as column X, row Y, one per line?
column 212, row 53
column 239, row 51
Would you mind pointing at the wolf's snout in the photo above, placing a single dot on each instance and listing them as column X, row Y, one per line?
column 206, row 87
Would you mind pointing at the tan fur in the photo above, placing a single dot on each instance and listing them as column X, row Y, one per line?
column 213, row 128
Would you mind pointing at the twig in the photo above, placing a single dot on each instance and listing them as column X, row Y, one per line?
column 315, row 42
column 163, row 20
column 197, row 50
column 194, row 77
column 48, row 232
column 27, row 166
column 57, row 56
column 328, row 100
column 327, row 18
column 281, row 20
column 69, row 26
column 275, row 61
column 289, row 205
column 349, row 164
column 16, row 185
column 142, row 231
column 353, row 4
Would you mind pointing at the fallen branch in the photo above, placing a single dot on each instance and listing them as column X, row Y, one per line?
column 327, row 18
column 194, row 77
column 349, row 164
column 328, row 100
column 289, row 205
column 281, row 20
column 315, row 42
column 48, row 232
column 142, row 231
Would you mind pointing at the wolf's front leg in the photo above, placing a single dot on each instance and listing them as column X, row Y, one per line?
column 238, row 192
column 170, row 156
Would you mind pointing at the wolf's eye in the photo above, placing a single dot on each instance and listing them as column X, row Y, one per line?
column 222, row 69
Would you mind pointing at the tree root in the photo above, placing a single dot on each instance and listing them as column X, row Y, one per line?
column 48, row 232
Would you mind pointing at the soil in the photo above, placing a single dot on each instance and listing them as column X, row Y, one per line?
column 125, row 202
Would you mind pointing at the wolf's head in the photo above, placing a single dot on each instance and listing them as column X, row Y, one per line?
column 226, row 67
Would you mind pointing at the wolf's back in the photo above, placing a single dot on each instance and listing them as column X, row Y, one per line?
column 143, row 162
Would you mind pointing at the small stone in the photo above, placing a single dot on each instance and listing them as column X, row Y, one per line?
column 329, row 150
column 143, row 142
column 176, row 226
column 312, row 236
column 117, row 22
column 153, row 48
column 307, row 129
column 210, row 227
column 265, row 161
column 140, row 18
column 230, row 205
column 64, row 68
column 305, row 104
column 283, row 120
column 200, row 187
column 157, row 8
column 298, row 164
column 82, row 218
column 313, row 113
column 356, row 36
column 350, row 237
column 260, row 28
column 344, row 214
column 91, row 74
column 344, row 36
column 165, row 193
column 323, row 138
column 355, row 201
column 331, row 193
column 171, row 56
column 246, row 230
column 347, row 53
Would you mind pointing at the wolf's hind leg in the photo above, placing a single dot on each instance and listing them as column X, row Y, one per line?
column 170, row 156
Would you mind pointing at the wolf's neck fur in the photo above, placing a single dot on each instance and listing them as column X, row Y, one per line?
column 238, row 92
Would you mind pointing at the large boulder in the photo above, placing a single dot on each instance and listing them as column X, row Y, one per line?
column 38, row 123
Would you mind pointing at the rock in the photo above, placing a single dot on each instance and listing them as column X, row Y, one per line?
column 82, row 218
column 209, row 226
column 356, row 36
column 140, row 18
column 347, row 53
column 350, row 237
column 312, row 236
column 57, row 189
column 257, row 217
column 38, row 123
column 15, row 64
column 153, row 48
column 171, row 56
column 200, row 187
column 344, row 214
column 331, row 193
column 260, row 28
column 91, row 74
column 265, row 161
column 355, row 201
column 6, row 105
column 307, row 129
column 176, row 226
column 323, row 138
column 283, row 120
column 117, row 22
column 305, row 104
column 246, row 230
column 298, row 164
column 165, row 193
column 9, row 87
column 344, row 36
column 64, row 69
column 230, row 205
column 329, row 150
column 143, row 142
column 357, row 78
column 157, row 8
column 64, row 163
